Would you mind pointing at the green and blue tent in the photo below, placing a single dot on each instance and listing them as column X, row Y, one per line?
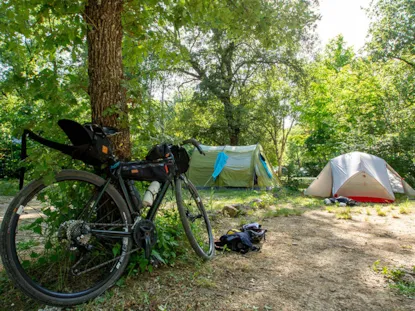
column 231, row 166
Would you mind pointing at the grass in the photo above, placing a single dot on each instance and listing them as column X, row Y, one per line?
column 397, row 278
column 405, row 207
column 405, row 288
column 284, row 212
column 344, row 213
column 187, row 273
column 9, row 187
column 380, row 211
column 331, row 209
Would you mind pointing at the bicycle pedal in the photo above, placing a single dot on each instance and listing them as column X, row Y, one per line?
column 155, row 262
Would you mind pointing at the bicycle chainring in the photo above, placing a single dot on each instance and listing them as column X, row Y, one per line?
column 143, row 231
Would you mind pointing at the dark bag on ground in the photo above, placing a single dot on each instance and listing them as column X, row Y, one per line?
column 255, row 231
column 242, row 240
column 347, row 201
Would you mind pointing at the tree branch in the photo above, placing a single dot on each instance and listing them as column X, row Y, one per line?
column 405, row 61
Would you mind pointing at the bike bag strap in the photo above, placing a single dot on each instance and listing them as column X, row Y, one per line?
column 66, row 149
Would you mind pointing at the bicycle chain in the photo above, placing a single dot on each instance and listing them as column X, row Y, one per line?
column 100, row 265
column 93, row 224
column 106, row 262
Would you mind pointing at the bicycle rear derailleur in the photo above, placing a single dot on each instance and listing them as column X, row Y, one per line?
column 145, row 235
column 77, row 232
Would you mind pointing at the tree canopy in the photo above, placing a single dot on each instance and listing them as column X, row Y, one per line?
column 224, row 72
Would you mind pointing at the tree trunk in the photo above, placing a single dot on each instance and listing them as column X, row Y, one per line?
column 231, row 118
column 105, row 70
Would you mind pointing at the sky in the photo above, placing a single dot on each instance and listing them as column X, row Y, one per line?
column 343, row 17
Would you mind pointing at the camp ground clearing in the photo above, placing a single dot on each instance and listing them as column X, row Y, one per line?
column 316, row 258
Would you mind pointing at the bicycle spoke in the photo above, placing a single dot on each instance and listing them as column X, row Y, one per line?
column 194, row 218
column 48, row 234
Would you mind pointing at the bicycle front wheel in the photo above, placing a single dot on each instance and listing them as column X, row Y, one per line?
column 194, row 218
column 48, row 244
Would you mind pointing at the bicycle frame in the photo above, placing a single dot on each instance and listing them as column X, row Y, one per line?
column 134, row 209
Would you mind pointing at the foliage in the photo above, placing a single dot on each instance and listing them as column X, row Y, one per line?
column 225, row 50
column 8, row 187
column 392, row 30
column 170, row 243
column 286, row 212
column 355, row 104
column 343, row 213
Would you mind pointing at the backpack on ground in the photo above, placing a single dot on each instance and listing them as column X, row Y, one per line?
column 241, row 240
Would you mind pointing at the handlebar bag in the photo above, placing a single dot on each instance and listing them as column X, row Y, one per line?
column 163, row 151
column 160, row 171
column 181, row 158
column 157, row 152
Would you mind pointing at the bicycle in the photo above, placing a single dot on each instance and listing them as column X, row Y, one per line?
column 63, row 251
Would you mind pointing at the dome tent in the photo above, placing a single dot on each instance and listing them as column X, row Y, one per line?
column 231, row 166
column 359, row 176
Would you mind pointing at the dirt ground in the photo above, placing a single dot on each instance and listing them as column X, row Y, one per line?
column 308, row 262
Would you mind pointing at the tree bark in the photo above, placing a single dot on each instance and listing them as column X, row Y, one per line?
column 105, row 70
column 234, row 128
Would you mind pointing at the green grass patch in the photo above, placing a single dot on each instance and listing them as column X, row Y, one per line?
column 380, row 211
column 331, row 209
column 405, row 288
column 398, row 278
column 9, row 187
column 285, row 212
column 343, row 213
column 404, row 210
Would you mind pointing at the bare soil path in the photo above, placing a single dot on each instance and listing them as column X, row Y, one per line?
column 308, row 262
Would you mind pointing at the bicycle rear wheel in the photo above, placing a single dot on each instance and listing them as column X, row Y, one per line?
column 48, row 248
column 194, row 218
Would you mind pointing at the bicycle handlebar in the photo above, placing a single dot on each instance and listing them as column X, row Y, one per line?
column 195, row 143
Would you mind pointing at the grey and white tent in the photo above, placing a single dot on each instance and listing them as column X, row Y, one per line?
column 359, row 176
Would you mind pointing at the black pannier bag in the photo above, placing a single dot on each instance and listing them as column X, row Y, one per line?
column 161, row 171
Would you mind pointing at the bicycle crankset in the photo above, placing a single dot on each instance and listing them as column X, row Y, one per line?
column 145, row 235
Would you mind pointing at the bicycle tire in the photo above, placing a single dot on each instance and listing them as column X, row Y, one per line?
column 40, row 285
column 194, row 218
